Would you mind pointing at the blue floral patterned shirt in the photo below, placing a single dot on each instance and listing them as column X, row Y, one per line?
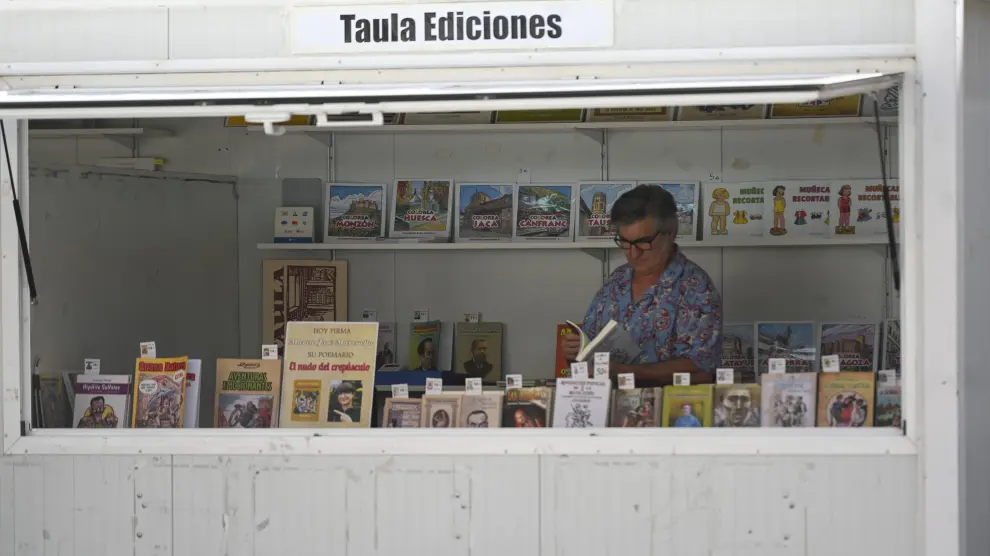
column 679, row 316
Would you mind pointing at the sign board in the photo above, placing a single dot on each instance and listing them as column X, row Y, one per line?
column 461, row 26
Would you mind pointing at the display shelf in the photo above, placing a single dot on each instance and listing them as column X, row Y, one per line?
column 508, row 245
column 585, row 126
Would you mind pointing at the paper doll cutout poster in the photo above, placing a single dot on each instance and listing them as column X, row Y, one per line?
column 734, row 210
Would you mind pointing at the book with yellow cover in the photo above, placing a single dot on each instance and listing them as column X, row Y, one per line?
column 247, row 393
column 687, row 406
column 159, row 393
column 845, row 399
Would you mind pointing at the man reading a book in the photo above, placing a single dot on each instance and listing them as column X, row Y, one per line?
column 666, row 303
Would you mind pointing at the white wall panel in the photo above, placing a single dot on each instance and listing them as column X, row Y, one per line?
column 688, row 155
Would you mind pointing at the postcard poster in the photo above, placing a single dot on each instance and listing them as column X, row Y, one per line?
column 247, row 393
column 527, row 407
column 892, row 345
column 354, row 211
column 799, row 209
column 735, row 210
column 860, row 207
column 447, row 118
column 328, row 374
column 847, row 106
column 595, row 207
column 854, row 343
column 484, row 212
column 722, row 112
column 421, row 208
column 482, row 411
column 543, row 212
column 845, row 399
column 736, row 405
column 739, row 352
column 403, row 413
column 793, row 341
column 581, row 403
column 657, row 114
column 441, row 411
column 789, row 400
column 636, row 408
column 539, row 116
column 686, row 197
column 888, row 406
column 687, row 406
column 301, row 291
column 159, row 386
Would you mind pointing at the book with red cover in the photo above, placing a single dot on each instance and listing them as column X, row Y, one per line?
column 561, row 366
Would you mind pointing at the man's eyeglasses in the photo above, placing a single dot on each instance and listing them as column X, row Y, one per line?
column 643, row 243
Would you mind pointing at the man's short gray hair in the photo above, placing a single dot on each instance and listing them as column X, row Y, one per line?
column 646, row 201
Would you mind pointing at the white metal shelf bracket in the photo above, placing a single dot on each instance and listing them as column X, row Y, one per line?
column 596, row 135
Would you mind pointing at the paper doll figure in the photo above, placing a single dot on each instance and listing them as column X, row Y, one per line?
column 740, row 217
column 800, row 217
column 779, row 204
column 828, row 218
column 897, row 215
column 845, row 208
column 719, row 210
column 864, row 215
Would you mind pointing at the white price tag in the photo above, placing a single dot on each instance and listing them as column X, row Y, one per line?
column 369, row 315
column 434, row 386
column 91, row 366
column 777, row 365
column 472, row 385
column 579, row 369
column 269, row 351
column 830, row 363
column 888, row 378
column 421, row 315
column 523, row 177
column 400, row 390
column 627, row 381
column 513, row 381
column 148, row 350
column 682, row 379
column 725, row 376
column 472, row 317
column 601, row 365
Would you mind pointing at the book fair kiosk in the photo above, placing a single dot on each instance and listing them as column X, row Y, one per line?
column 439, row 178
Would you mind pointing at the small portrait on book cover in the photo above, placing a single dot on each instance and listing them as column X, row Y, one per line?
column 737, row 407
column 686, row 416
column 847, row 409
column 477, row 419
column 246, row 411
column 426, row 351
column 345, row 401
column 99, row 415
column 440, row 419
column 478, row 365
column 160, row 409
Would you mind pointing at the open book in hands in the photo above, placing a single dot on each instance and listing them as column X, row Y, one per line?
column 613, row 338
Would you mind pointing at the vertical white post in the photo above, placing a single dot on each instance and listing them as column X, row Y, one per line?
column 12, row 304
column 938, row 37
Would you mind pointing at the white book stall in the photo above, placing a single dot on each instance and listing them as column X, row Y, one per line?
column 384, row 217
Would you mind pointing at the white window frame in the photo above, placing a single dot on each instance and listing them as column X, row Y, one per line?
column 15, row 351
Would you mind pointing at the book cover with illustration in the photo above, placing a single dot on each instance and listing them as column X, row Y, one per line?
column 386, row 345
column 328, row 374
column 247, row 394
column 55, row 405
column 301, row 290
column 402, row 413
column 478, row 350
column 481, row 411
column 888, row 408
column 799, row 208
column 793, row 341
column 856, row 344
column 860, row 209
column 734, row 212
column 101, row 401
column 424, row 345
column 687, row 406
column 737, row 405
column 636, row 407
column 441, row 411
column 721, row 112
column 595, row 201
column 484, row 212
column 527, row 407
column 562, row 368
column 421, row 209
column 354, row 211
column 739, row 352
column 581, row 403
column 846, row 106
column 686, row 197
column 845, row 399
column 544, row 212
column 892, row 345
column 159, row 393
column 788, row 400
